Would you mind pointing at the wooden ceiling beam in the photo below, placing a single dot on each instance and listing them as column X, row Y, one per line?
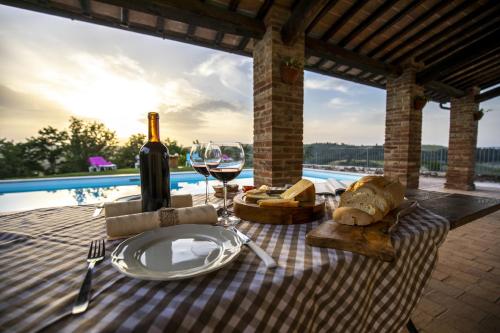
column 160, row 24
column 409, row 27
column 343, row 19
column 488, row 84
column 261, row 14
column 446, row 34
column 479, row 81
column 452, row 62
column 320, row 15
column 233, row 6
column 474, row 72
column 318, row 48
column 191, row 30
column 444, row 88
column 197, row 13
column 303, row 14
column 410, row 40
column 342, row 76
column 459, row 40
column 348, row 58
column 381, row 10
column 476, row 63
column 321, row 62
column 107, row 21
column 390, row 22
column 488, row 95
column 124, row 17
column 85, row 4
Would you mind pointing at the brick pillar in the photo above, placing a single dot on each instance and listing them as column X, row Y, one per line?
column 462, row 142
column 403, row 128
column 278, row 107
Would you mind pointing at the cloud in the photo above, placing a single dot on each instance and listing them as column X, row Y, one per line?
column 330, row 84
column 23, row 114
column 232, row 72
column 339, row 102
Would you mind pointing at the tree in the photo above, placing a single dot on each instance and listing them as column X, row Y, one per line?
column 16, row 160
column 173, row 146
column 176, row 148
column 125, row 156
column 248, row 149
column 88, row 139
column 49, row 146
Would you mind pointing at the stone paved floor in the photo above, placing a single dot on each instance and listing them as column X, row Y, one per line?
column 463, row 294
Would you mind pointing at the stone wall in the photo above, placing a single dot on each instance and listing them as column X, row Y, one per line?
column 403, row 128
column 278, row 108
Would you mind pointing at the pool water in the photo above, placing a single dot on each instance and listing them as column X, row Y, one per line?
column 18, row 195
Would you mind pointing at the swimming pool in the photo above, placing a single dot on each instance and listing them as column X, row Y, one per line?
column 16, row 195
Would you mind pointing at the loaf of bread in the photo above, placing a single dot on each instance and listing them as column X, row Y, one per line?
column 373, row 195
column 352, row 216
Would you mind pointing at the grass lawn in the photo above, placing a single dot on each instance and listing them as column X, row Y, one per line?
column 110, row 172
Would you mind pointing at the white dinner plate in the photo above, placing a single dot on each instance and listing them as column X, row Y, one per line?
column 177, row 252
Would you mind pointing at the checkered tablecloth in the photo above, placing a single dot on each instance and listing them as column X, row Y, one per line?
column 42, row 264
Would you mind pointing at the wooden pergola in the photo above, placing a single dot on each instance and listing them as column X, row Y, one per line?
column 448, row 51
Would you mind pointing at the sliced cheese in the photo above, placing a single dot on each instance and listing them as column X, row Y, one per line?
column 262, row 189
column 254, row 197
column 302, row 191
column 278, row 203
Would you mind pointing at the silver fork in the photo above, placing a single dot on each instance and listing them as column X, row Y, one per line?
column 96, row 254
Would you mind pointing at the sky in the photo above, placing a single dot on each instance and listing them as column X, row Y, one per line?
column 52, row 68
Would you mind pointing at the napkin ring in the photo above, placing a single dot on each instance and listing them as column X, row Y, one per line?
column 168, row 217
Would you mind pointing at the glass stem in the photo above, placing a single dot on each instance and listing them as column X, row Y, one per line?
column 225, row 213
column 206, row 190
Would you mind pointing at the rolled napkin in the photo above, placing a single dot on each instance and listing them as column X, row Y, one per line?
column 129, row 225
column 112, row 209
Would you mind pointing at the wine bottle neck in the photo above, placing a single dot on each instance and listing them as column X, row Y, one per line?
column 153, row 127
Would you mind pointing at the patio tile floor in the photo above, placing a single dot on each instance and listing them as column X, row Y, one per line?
column 463, row 294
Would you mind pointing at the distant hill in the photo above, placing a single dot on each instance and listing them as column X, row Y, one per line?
column 432, row 147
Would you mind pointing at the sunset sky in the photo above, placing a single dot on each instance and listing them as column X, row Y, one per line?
column 52, row 68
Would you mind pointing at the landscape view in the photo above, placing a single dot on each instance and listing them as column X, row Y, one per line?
column 79, row 90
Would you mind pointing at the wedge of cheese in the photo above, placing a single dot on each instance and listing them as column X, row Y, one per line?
column 302, row 191
column 278, row 203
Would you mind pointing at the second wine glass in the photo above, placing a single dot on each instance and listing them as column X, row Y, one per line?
column 197, row 159
column 225, row 161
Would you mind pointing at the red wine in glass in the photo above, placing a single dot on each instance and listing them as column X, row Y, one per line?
column 225, row 161
column 201, row 169
column 224, row 175
column 197, row 159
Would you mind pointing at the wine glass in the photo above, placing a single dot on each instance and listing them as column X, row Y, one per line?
column 224, row 161
column 197, row 159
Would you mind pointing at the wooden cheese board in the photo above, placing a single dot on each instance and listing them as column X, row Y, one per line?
column 373, row 240
column 278, row 215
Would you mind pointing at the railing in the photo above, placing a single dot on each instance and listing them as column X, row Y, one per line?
column 432, row 161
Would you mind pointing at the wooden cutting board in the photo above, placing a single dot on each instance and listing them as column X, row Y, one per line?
column 372, row 241
column 278, row 215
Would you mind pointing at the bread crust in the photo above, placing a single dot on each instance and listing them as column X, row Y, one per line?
column 352, row 216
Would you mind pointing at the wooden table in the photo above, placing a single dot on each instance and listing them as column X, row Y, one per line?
column 459, row 209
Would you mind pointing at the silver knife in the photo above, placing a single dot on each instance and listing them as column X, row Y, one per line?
column 268, row 260
column 405, row 211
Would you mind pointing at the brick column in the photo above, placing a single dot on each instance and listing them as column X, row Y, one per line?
column 403, row 128
column 462, row 142
column 278, row 107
